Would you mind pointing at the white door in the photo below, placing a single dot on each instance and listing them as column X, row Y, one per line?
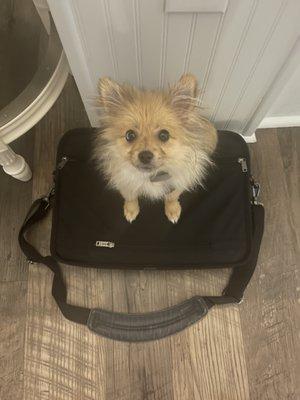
column 242, row 51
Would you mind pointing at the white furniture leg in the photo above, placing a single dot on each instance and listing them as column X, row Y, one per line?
column 14, row 164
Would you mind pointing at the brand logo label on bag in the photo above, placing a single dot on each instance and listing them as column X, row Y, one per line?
column 101, row 243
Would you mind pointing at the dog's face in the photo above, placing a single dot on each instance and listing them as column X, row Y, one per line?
column 146, row 128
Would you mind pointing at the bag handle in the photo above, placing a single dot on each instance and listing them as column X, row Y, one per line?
column 148, row 326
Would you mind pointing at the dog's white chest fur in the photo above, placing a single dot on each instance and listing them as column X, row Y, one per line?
column 130, row 180
column 133, row 183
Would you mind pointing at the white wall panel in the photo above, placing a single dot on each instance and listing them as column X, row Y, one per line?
column 250, row 53
column 288, row 102
column 152, row 27
column 93, row 37
column 123, row 27
column 273, row 54
column 202, row 52
column 235, row 48
column 179, row 37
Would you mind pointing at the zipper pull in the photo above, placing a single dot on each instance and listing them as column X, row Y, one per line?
column 62, row 162
column 243, row 163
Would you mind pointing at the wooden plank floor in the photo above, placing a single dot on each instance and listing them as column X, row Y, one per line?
column 241, row 352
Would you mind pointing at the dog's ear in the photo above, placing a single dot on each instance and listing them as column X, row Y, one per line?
column 184, row 93
column 110, row 94
column 186, row 86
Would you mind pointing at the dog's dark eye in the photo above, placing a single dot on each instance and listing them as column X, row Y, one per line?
column 164, row 135
column 130, row 135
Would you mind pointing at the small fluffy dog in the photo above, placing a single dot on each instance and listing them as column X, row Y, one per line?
column 153, row 144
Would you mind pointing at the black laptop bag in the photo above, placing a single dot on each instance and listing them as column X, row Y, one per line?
column 221, row 225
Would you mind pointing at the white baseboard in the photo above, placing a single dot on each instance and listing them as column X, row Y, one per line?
column 250, row 138
column 280, row 122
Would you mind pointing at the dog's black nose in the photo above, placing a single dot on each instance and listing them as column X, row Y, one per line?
column 145, row 156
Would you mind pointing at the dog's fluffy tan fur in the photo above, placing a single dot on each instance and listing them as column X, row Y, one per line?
column 185, row 156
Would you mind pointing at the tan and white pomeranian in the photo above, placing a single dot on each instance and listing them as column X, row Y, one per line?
column 153, row 144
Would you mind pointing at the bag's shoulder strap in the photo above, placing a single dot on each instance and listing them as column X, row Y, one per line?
column 148, row 326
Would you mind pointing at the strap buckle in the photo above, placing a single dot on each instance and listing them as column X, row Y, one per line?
column 48, row 197
column 255, row 191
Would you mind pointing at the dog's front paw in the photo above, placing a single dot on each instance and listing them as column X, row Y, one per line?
column 131, row 210
column 173, row 210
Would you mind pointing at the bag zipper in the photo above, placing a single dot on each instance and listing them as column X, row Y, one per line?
column 60, row 165
column 63, row 161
